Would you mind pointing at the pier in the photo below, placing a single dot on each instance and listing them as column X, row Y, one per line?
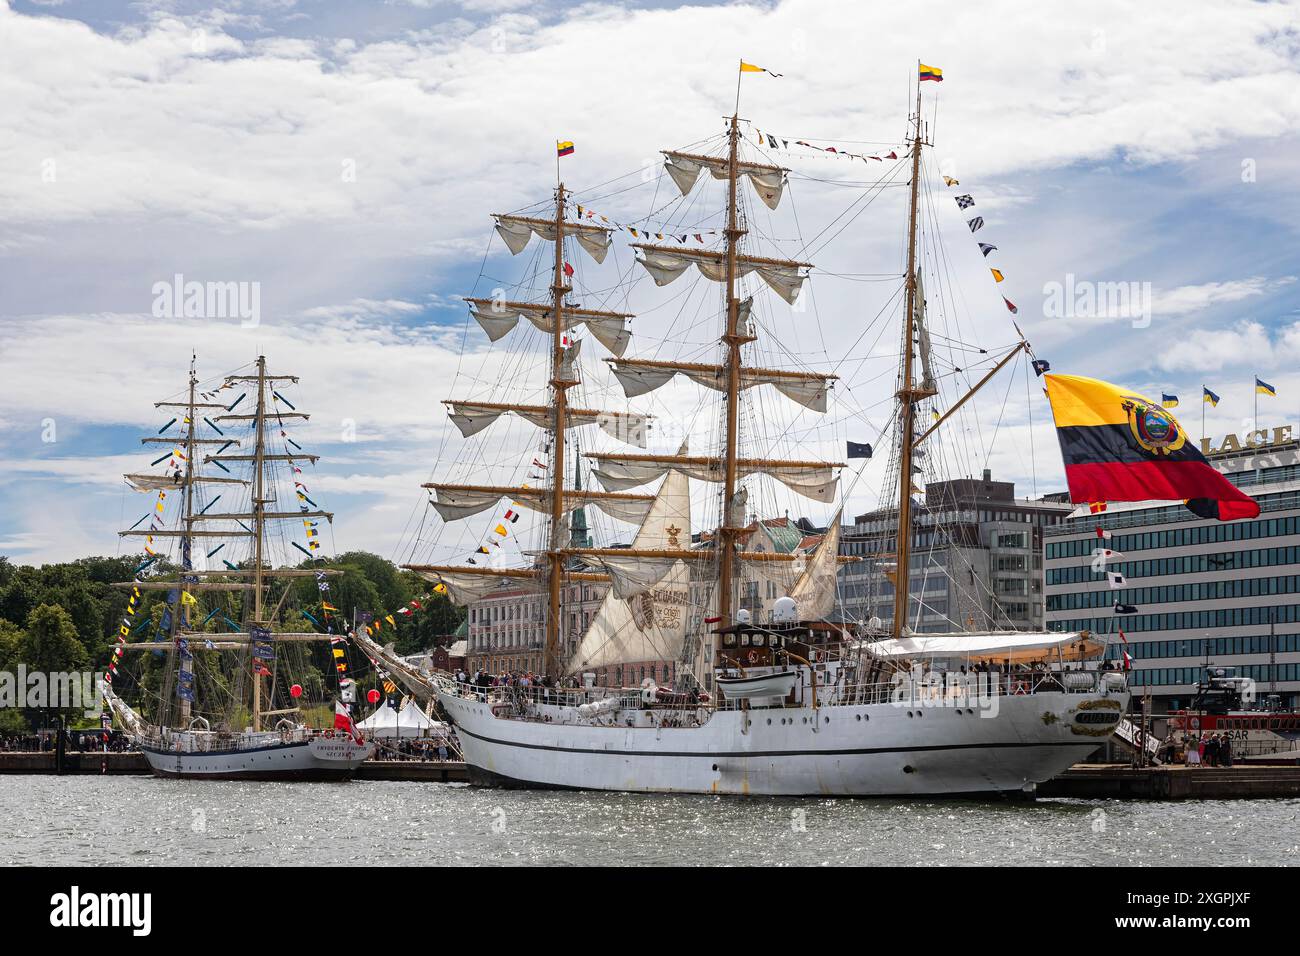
column 1108, row 781
column 46, row 762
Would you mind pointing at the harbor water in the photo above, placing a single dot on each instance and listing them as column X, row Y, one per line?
column 90, row 820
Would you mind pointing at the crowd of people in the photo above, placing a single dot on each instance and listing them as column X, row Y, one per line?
column 77, row 741
column 1209, row 750
column 483, row 680
column 419, row 748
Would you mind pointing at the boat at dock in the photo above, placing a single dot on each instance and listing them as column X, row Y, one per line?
column 786, row 696
column 228, row 705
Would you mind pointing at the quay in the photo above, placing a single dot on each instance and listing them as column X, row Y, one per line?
column 46, row 762
column 1110, row 781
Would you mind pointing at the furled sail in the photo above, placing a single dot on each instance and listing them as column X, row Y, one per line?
column 466, row 585
column 923, row 337
column 639, row 376
column 644, row 613
column 684, row 168
column 472, row 417
column 498, row 319
column 814, row 592
column 155, row 482
column 812, row 479
column 517, row 230
column 665, row 264
column 454, row 502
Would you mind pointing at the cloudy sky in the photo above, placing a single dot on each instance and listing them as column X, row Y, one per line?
column 343, row 159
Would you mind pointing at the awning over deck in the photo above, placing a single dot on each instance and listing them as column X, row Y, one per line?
column 990, row 646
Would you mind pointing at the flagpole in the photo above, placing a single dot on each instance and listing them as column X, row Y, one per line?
column 1256, row 392
column 740, row 72
column 1203, row 404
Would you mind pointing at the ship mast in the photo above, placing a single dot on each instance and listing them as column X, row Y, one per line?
column 727, row 530
column 187, row 546
column 259, row 453
column 560, row 390
column 908, row 394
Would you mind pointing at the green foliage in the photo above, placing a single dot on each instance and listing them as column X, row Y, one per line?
column 49, row 641
column 70, row 614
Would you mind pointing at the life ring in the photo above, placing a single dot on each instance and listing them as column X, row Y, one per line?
column 329, row 735
column 1196, row 723
column 752, row 658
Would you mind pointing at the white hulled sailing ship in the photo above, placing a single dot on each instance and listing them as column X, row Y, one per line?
column 803, row 703
column 252, row 727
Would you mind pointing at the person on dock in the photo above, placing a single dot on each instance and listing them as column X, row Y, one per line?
column 1225, row 751
column 1211, row 754
column 1193, row 757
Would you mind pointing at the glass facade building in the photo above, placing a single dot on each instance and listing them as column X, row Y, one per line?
column 1204, row 592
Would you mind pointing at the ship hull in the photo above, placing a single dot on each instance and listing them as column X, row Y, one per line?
column 866, row 750
column 298, row 760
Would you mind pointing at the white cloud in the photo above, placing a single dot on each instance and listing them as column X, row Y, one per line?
column 1188, row 299
column 235, row 160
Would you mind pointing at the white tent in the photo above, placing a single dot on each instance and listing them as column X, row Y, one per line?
column 410, row 722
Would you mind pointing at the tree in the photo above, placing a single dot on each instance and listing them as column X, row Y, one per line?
column 10, row 635
column 49, row 642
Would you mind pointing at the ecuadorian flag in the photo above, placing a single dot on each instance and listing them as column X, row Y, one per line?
column 1263, row 388
column 1120, row 446
column 931, row 73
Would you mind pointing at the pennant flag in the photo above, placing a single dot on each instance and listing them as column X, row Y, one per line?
column 934, row 414
column 1208, row 396
column 1102, row 533
column 501, row 530
column 1116, row 580
column 568, row 269
column 389, row 618
column 976, row 224
column 986, row 249
column 1108, row 554
column 512, row 516
column 1168, row 401
column 1263, row 388
column 997, row 275
column 931, row 73
column 1128, row 659
column 859, row 450
column 260, row 669
column 188, row 598
column 1011, row 306
column 751, row 68
column 1096, row 507
column 1119, row 446
column 949, row 181
column 964, row 202
column 1041, row 366
column 564, row 149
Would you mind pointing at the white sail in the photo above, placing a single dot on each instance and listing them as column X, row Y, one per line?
column 498, row 319
column 472, row 417
column 684, row 168
column 517, row 230
column 809, row 389
column 644, row 614
column 814, row 480
column 814, row 592
column 455, row 503
column 665, row 265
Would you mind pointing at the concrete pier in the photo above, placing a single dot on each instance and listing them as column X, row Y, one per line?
column 435, row 771
column 1101, row 781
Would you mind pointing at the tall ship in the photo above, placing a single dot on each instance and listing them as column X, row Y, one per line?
column 232, row 678
column 792, row 697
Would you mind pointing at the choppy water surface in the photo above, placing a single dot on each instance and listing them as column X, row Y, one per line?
column 143, row 820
